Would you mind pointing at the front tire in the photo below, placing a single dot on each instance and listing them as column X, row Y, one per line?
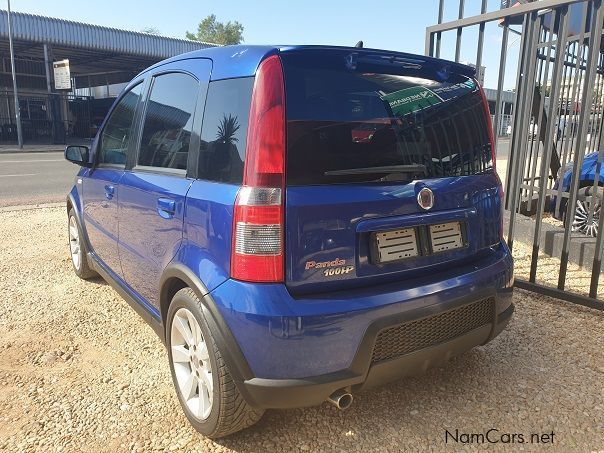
column 77, row 248
column 206, row 391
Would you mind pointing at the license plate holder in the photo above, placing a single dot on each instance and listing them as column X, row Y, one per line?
column 396, row 245
column 446, row 236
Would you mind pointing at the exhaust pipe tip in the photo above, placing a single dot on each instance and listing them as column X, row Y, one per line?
column 341, row 399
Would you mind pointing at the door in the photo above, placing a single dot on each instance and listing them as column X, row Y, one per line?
column 100, row 187
column 152, row 197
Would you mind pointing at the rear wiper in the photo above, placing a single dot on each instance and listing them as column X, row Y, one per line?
column 391, row 169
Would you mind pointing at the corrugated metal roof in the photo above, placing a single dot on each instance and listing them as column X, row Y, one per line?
column 50, row 30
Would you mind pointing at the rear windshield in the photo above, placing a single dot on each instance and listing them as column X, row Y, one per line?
column 342, row 119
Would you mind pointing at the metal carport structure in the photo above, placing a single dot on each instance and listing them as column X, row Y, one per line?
column 98, row 56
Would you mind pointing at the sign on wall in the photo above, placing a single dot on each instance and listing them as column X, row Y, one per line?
column 62, row 75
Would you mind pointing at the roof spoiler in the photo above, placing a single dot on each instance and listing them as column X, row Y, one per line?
column 397, row 61
column 441, row 68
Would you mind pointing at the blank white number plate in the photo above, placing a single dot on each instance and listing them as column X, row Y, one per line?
column 446, row 236
column 396, row 245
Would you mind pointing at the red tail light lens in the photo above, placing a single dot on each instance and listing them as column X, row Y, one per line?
column 257, row 251
column 487, row 112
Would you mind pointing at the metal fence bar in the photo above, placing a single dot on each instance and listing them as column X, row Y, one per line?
column 596, row 267
column 459, row 31
column 595, row 129
column 525, row 123
column 519, row 146
column 536, row 137
column 519, row 10
column 578, row 47
column 598, row 144
column 549, row 134
column 483, row 9
column 533, row 154
column 500, row 80
column 575, row 93
column 512, row 159
column 592, row 59
column 575, row 298
column 560, row 111
column 441, row 8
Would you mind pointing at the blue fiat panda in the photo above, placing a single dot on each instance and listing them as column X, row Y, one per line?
column 296, row 223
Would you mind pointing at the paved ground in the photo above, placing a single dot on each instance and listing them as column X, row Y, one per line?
column 32, row 149
column 80, row 371
column 33, row 178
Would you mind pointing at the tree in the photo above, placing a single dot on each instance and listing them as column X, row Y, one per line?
column 212, row 31
column 151, row 30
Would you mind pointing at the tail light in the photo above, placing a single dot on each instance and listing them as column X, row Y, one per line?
column 257, row 251
column 487, row 112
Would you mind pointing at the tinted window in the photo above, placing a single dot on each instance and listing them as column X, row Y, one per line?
column 342, row 119
column 224, row 130
column 118, row 129
column 168, row 121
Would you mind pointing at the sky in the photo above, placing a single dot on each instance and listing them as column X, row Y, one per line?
column 392, row 24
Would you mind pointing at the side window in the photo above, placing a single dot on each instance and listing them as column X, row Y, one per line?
column 168, row 121
column 116, row 135
column 224, row 130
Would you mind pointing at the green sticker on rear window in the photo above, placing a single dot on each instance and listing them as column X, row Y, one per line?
column 409, row 100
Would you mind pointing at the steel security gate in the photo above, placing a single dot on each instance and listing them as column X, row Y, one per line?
column 553, row 192
column 48, row 118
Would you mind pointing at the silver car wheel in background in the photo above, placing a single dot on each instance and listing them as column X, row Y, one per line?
column 74, row 243
column 581, row 222
column 191, row 361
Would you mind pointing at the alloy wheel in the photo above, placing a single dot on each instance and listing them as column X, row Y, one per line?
column 582, row 223
column 74, row 243
column 191, row 361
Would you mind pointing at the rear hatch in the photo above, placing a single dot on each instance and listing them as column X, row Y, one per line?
column 366, row 132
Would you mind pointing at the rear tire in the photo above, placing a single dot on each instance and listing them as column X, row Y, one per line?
column 77, row 248
column 193, row 354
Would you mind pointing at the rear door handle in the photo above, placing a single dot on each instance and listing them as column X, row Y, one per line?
column 109, row 191
column 166, row 207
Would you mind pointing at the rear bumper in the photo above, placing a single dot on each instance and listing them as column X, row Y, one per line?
column 297, row 351
column 288, row 393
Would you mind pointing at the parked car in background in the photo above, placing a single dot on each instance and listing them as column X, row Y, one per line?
column 296, row 223
column 589, row 198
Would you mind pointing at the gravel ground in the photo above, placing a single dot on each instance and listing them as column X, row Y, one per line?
column 80, row 371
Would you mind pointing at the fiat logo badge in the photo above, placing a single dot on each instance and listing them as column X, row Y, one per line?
column 425, row 199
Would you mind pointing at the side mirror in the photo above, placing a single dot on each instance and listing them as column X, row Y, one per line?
column 78, row 155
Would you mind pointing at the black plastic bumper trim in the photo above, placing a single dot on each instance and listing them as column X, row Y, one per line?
column 290, row 393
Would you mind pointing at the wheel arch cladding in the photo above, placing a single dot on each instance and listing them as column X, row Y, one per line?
column 169, row 288
column 177, row 276
column 73, row 202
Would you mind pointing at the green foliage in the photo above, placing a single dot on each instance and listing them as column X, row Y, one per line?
column 211, row 31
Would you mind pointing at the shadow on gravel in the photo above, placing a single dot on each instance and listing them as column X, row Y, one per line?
column 100, row 281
